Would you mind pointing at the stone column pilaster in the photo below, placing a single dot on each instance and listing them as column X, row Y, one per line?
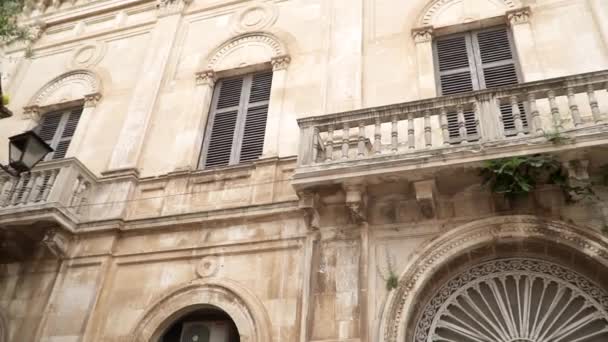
column 188, row 143
column 599, row 10
column 275, row 106
column 90, row 103
column 519, row 19
column 423, row 37
column 129, row 146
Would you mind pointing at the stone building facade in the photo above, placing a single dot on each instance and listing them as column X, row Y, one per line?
column 306, row 170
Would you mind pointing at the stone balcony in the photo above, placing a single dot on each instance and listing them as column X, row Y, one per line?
column 377, row 144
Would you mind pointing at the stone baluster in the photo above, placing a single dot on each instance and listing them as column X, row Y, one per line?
column 477, row 115
column 595, row 109
column 329, row 144
column 557, row 120
column 443, row 117
column 361, row 142
column 378, row 137
column 36, row 181
column 537, row 125
column 345, row 138
column 427, row 129
column 316, row 144
column 411, row 141
column 574, row 112
column 49, row 184
column 27, row 189
column 519, row 124
column 7, row 187
column 462, row 129
column 20, row 184
column 394, row 134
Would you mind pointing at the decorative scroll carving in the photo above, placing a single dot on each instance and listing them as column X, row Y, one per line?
column 246, row 49
column 92, row 100
column 31, row 113
column 280, row 62
column 519, row 16
column 536, row 285
column 56, row 242
column 73, row 85
column 206, row 77
column 423, row 34
column 208, row 266
column 169, row 7
column 356, row 202
column 309, row 202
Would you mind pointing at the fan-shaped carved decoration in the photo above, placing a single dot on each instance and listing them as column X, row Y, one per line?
column 74, row 85
column 451, row 12
column 516, row 300
column 246, row 49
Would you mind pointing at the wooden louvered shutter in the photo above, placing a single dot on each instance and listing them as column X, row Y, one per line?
column 237, row 122
column 457, row 74
column 57, row 130
column 222, row 126
column 497, row 68
column 255, row 118
column 455, row 65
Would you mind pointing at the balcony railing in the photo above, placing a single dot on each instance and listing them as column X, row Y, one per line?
column 64, row 183
column 509, row 114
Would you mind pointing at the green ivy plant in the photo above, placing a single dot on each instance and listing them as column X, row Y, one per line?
column 390, row 277
column 5, row 99
column 517, row 176
column 10, row 30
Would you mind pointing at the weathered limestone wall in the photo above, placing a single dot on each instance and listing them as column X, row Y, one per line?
column 173, row 225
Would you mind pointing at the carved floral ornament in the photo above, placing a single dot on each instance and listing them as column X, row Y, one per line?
column 400, row 309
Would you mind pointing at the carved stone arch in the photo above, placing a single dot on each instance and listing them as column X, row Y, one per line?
column 403, row 303
column 247, row 49
column 439, row 13
column 243, row 307
column 71, row 86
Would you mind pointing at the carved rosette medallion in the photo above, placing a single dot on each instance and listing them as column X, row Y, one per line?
column 255, row 17
column 88, row 55
column 208, row 266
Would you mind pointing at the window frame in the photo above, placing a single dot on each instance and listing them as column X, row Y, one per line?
column 241, row 119
column 476, row 67
column 65, row 110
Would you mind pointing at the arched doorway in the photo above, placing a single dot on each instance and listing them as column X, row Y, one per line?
column 504, row 279
column 219, row 301
column 204, row 324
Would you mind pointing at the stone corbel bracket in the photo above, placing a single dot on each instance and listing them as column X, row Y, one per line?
column 56, row 242
column 426, row 194
column 423, row 34
column 280, row 62
column 91, row 100
column 356, row 202
column 578, row 176
column 519, row 16
column 309, row 203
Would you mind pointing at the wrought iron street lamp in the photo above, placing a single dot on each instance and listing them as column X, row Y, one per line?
column 25, row 151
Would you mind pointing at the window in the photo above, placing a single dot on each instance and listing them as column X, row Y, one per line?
column 477, row 60
column 237, row 120
column 57, row 129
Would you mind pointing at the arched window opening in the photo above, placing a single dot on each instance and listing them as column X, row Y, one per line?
column 203, row 325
